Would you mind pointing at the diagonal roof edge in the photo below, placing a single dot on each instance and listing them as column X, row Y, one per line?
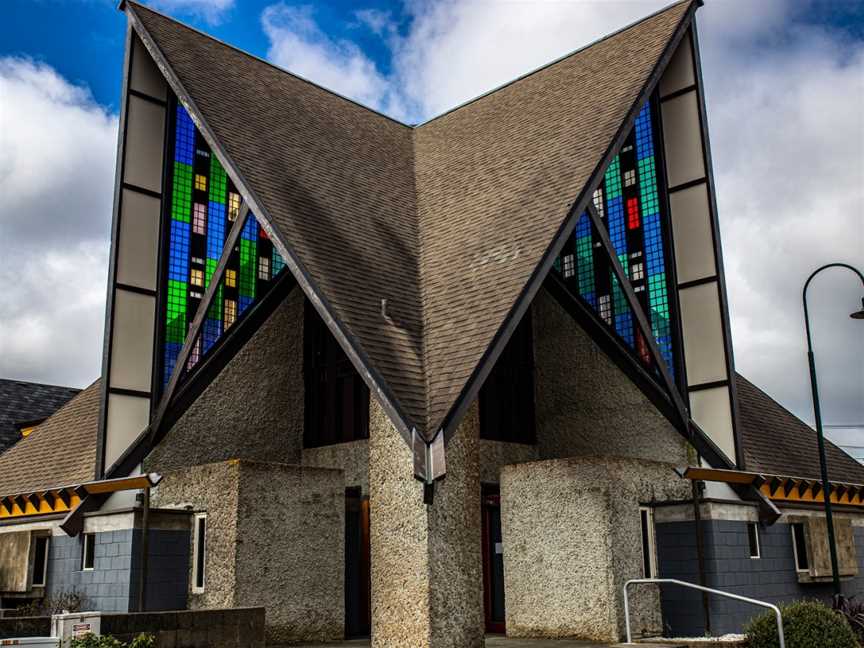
column 122, row 6
column 350, row 345
column 542, row 67
column 472, row 387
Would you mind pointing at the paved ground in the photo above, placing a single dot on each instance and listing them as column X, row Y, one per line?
column 491, row 642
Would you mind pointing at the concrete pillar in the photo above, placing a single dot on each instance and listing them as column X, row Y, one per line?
column 426, row 580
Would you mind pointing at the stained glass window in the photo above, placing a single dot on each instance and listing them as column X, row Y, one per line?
column 628, row 203
column 203, row 205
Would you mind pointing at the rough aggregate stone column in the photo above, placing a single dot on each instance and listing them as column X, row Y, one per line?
column 426, row 582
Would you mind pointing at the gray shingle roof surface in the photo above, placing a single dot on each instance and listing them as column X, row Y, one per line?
column 777, row 442
column 446, row 221
column 25, row 402
column 61, row 451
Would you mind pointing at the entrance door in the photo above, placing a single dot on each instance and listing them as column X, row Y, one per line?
column 493, row 560
column 358, row 583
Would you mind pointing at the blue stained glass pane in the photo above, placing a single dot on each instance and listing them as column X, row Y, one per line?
column 644, row 135
column 215, row 230
column 211, row 330
column 184, row 143
column 250, row 229
column 172, row 351
column 244, row 302
column 178, row 251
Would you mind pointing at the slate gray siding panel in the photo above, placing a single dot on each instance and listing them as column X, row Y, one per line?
column 112, row 585
column 167, row 569
column 729, row 568
column 106, row 587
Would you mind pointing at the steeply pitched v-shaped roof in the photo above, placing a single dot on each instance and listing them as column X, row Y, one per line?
column 454, row 223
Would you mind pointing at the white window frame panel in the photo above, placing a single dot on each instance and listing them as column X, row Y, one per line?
column 197, row 519
column 795, row 548
column 89, row 539
column 754, row 526
column 44, row 582
column 652, row 542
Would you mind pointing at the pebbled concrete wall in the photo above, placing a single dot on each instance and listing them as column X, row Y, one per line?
column 426, row 577
column 352, row 458
column 771, row 578
column 275, row 538
column 253, row 409
column 291, row 550
column 572, row 538
column 586, row 405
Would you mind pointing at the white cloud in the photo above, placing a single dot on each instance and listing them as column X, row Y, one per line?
column 786, row 106
column 57, row 150
column 212, row 11
column 298, row 44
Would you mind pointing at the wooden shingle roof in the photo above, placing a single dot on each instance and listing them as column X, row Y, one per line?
column 420, row 246
column 776, row 442
column 60, row 452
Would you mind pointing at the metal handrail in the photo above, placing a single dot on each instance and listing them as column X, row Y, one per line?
column 674, row 581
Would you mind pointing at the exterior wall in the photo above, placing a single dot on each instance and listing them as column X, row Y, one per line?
column 112, row 585
column 275, row 537
column 572, row 537
column 771, row 578
column 253, row 410
column 351, row 458
column 586, row 405
column 291, row 551
column 426, row 577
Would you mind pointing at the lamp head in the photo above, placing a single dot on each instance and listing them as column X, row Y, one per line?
column 859, row 315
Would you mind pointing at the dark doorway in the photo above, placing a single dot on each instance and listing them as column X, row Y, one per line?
column 493, row 560
column 358, row 582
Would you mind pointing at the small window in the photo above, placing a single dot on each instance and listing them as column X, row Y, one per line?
column 88, row 556
column 753, row 537
column 40, row 560
column 264, row 268
column 201, row 182
column 569, row 266
column 230, row 312
column 799, row 546
column 233, row 206
column 649, row 553
column 199, row 551
column 199, row 218
column 231, row 278
column 196, row 277
column 629, row 177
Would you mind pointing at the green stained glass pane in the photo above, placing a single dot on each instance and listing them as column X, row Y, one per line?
column 248, row 263
column 175, row 312
column 613, row 179
column 181, row 204
column 218, row 182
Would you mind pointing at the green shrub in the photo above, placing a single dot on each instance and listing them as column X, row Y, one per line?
column 806, row 624
column 143, row 641
column 107, row 641
column 90, row 640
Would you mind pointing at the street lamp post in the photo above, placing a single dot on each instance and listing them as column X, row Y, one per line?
column 826, row 487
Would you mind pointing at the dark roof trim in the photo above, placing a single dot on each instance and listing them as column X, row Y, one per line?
column 358, row 357
column 551, row 63
column 123, row 6
column 481, row 371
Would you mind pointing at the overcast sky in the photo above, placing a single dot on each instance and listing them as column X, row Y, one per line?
column 785, row 89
